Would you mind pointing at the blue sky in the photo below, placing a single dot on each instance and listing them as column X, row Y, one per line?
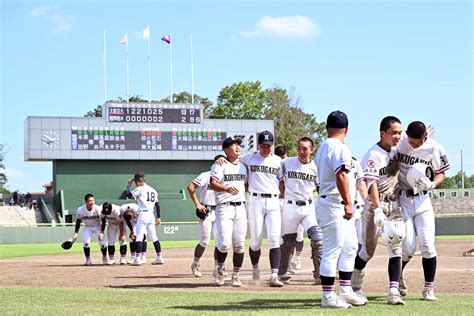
column 411, row 59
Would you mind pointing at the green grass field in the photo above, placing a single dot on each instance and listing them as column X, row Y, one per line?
column 23, row 250
column 125, row 301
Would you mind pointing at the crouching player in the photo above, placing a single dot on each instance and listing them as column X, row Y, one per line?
column 115, row 228
column 94, row 224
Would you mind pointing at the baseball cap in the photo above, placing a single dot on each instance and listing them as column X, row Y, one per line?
column 337, row 119
column 138, row 175
column 231, row 140
column 265, row 138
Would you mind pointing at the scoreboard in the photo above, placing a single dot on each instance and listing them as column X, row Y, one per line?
column 138, row 131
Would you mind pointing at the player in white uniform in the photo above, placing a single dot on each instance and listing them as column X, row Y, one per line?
column 334, row 213
column 94, row 224
column 147, row 200
column 206, row 206
column 115, row 228
column 417, row 147
column 381, row 178
column 229, row 181
column 130, row 215
column 264, row 175
column 300, row 180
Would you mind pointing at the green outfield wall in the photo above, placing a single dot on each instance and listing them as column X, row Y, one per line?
column 107, row 179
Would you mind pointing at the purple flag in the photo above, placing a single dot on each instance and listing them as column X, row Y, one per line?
column 166, row 38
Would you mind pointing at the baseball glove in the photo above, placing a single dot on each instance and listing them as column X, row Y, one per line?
column 67, row 244
column 202, row 215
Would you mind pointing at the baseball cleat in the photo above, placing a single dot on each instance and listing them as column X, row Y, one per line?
column 137, row 261
column 403, row 288
column 88, row 262
column 219, row 279
column 159, row 260
column 333, row 301
column 350, row 297
column 361, row 294
column 395, row 299
column 224, row 272
column 111, row 262
column 143, row 260
column 274, row 282
column 428, row 294
column 105, row 260
column 285, row 278
column 196, row 270
column 131, row 260
column 236, row 280
column 296, row 263
column 256, row 274
column 123, row 261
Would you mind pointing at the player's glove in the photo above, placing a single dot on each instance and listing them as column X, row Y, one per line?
column 379, row 217
column 67, row 244
column 202, row 214
column 424, row 183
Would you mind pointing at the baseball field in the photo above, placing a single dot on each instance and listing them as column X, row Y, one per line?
column 54, row 281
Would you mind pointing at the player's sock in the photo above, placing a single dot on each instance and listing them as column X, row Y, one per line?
column 394, row 270
column 275, row 256
column 157, row 246
column 221, row 256
column 327, row 284
column 123, row 250
column 238, row 260
column 299, row 248
column 104, row 251
column 359, row 264
column 133, row 248
column 138, row 248
column 198, row 252
column 345, row 279
column 144, row 246
column 111, row 250
column 87, row 252
column 429, row 270
column 255, row 256
column 404, row 264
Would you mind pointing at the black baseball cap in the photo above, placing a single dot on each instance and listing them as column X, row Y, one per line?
column 231, row 140
column 337, row 119
column 138, row 175
column 265, row 138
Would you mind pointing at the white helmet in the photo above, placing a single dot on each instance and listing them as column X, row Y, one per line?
column 417, row 171
column 393, row 231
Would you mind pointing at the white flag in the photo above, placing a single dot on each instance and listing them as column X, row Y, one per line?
column 124, row 39
column 146, row 32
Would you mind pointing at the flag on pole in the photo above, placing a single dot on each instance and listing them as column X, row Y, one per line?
column 124, row 39
column 146, row 32
column 166, row 38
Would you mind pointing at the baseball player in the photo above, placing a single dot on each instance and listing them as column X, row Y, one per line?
column 94, row 224
column 300, row 180
column 264, row 175
column 205, row 206
column 228, row 181
column 130, row 215
column 295, row 261
column 115, row 228
column 147, row 199
column 417, row 147
column 334, row 213
column 381, row 178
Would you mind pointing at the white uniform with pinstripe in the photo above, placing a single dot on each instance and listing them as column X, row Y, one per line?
column 92, row 223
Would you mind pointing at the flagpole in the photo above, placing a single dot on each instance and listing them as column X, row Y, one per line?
column 126, row 58
column 149, row 71
column 192, row 70
column 105, row 72
column 171, row 72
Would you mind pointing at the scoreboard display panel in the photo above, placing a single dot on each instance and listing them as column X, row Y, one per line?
column 154, row 113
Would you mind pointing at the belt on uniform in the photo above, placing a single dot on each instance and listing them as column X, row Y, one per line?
column 142, row 211
column 342, row 202
column 233, row 203
column 265, row 195
column 300, row 203
column 210, row 207
column 411, row 193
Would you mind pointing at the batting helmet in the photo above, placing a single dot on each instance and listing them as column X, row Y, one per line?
column 393, row 231
column 417, row 171
column 202, row 215
column 67, row 244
